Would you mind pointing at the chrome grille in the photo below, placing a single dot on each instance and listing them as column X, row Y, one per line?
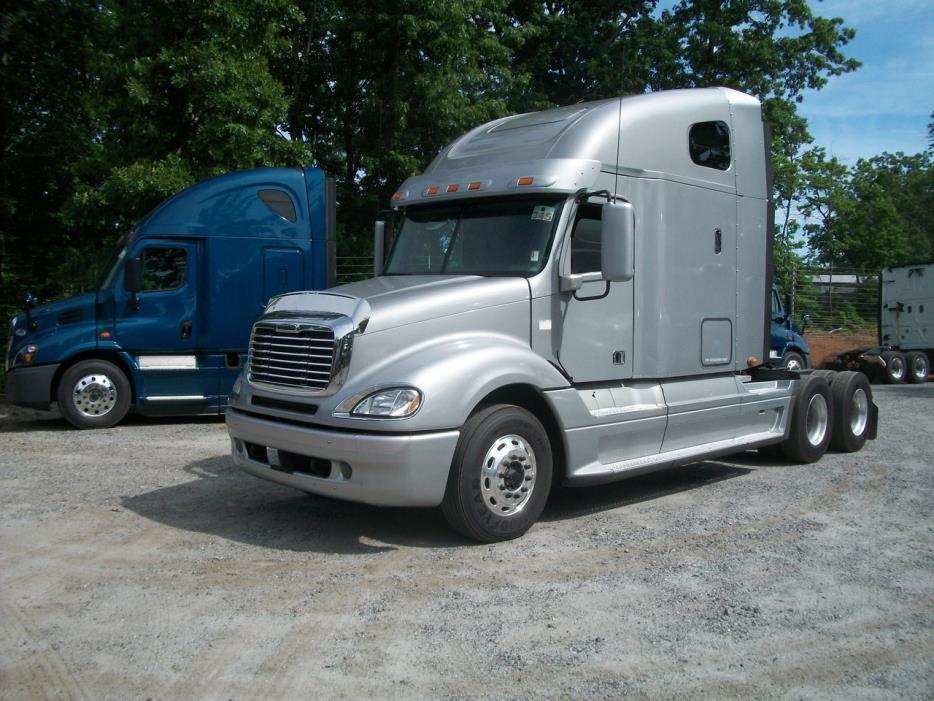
column 292, row 355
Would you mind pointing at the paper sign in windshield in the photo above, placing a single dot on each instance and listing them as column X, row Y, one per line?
column 543, row 213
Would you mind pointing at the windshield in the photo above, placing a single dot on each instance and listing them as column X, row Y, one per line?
column 116, row 258
column 481, row 237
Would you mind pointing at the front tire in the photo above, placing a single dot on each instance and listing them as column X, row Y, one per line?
column 501, row 475
column 919, row 367
column 811, row 421
column 93, row 394
column 793, row 361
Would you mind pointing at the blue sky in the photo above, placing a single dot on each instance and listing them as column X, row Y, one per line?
column 886, row 104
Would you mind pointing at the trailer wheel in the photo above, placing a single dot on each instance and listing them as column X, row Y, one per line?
column 919, row 367
column 93, row 394
column 500, row 476
column 896, row 368
column 793, row 361
column 826, row 374
column 811, row 421
column 852, row 397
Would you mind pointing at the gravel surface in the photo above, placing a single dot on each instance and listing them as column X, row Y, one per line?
column 137, row 562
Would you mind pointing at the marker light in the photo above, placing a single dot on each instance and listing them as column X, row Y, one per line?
column 398, row 196
column 452, row 187
column 525, row 180
column 433, row 190
column 474, row 185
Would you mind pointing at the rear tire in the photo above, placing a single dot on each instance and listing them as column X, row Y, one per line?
column 500, row 476
column 852, row 401
column 811, row 421
column 896, row 367
column 93, row 394
column 919, row 367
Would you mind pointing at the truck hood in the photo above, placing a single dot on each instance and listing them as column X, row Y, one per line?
column 64, row 311
column 391, row 301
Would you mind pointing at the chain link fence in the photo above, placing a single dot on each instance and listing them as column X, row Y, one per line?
column 835, row 299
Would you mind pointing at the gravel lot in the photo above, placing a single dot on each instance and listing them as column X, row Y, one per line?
column 136, row 562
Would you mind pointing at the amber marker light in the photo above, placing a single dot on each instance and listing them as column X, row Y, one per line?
column 525, row 180
column 452, row 187
column 752, row 361
column 105, row 334
column 433, row 190
column 397, row 196
column 474, row 185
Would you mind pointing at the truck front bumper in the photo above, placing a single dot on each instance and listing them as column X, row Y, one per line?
column 31, row 386
column 390, row 469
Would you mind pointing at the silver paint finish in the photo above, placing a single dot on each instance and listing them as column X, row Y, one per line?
column 387, row 470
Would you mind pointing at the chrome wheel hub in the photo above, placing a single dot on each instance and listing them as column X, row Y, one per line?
column 898, row 368
column 919, row 369
column 816, row 419
column 94, row 395
column 859, row 412
column 507, row 477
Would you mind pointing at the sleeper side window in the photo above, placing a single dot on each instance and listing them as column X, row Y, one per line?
column 585, row 239
column 709, row 143
column 164, row 268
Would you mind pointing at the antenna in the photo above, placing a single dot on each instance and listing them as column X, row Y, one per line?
column 619, row 122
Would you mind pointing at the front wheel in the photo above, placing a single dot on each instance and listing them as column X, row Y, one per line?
column 793, row 361
column 500, row 476
column 93, row 394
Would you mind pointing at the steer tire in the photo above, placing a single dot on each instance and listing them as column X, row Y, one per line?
column 896, row 367
column 811, row 421
column 793, row 361
column 919, row 367
column 852, row 411
column 93, row 394
column 502, row 451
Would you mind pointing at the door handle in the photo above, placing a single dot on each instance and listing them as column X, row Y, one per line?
column 186, row 329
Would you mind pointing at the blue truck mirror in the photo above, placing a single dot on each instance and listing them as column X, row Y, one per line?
column 617, row 241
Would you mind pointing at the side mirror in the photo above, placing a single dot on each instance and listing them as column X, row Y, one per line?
column 133, row 275
column 617, row 241
column 379, row 247
column 805, row 320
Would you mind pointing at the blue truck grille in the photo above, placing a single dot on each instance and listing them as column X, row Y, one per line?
column 299, row 356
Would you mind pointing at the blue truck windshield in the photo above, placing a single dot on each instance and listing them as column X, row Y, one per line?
column 482, row 237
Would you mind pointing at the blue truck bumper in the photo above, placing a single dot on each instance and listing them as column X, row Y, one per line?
column 31, row 386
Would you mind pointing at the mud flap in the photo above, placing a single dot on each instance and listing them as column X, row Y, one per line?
column 873, row 421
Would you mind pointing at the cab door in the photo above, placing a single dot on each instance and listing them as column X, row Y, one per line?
column 159, row 327
column 596, row 325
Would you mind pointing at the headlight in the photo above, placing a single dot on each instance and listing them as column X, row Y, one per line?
column 390, row 403
column 26, row 354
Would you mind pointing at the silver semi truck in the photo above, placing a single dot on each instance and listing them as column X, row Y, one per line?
column 574, row 296
column 906, row 329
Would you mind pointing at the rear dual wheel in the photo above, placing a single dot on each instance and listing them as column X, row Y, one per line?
column 811, row 421
column 919, row 367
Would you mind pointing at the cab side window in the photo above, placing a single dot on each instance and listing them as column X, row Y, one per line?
column 585, row 240
column 164, row 268
column 709, row 143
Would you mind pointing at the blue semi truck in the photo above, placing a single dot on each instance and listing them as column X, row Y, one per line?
column 168, row 327
column 787, row 346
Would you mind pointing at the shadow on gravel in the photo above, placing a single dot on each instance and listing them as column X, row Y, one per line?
column 228, row 503
column 18, row 420
column 580, row 501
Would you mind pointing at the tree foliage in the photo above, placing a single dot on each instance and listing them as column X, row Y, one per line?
column 109, row 107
